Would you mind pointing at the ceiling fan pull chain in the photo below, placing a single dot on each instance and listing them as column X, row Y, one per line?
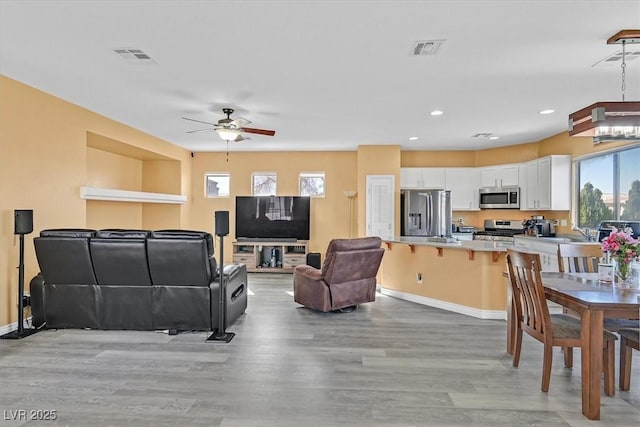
column 227, row 151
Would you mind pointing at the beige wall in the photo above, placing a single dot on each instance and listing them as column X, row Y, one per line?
column 46, row 145
column 329, row 214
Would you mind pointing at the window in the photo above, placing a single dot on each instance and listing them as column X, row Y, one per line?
column 264, row 183
column 609, row 187
column 312, row 184
column 216, row 184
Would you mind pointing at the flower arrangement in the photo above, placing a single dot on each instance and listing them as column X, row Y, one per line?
column 623, row 248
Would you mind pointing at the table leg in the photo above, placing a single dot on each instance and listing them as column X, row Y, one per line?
column 591, row 354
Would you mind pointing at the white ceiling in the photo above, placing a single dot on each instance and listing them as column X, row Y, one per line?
column 326, row 75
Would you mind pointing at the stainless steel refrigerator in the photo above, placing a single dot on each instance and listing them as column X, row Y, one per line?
column 425, row 213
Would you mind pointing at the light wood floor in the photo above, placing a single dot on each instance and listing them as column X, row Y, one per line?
column 389, row 363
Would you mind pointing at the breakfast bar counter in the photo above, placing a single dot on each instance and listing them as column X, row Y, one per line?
column 464, row 277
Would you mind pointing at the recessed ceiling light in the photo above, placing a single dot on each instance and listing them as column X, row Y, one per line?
column 413, row 138
column 494, row 137
column 436, row 113
column 548, row 111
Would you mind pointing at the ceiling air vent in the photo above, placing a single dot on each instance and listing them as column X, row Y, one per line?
column 134, row 56
column 482, row 135
column 616, row 58
column 426, row 47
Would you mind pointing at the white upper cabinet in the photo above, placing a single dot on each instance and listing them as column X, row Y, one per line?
column 463, row 183
column 499, row 176
column 422, row 178
column 545, row 184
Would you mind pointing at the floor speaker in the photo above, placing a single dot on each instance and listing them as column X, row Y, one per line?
column 313, row 259
column 23, row 223
column 222, row 223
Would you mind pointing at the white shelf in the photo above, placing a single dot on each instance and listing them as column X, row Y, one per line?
column 93, row 193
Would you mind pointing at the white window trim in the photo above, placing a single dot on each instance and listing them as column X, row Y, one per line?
column 206, row 178
column 313, row 174
column 253, row 174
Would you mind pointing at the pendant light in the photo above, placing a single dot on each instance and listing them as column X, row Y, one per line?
column 610, row 121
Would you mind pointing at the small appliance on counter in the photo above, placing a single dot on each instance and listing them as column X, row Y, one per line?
column 540, row 227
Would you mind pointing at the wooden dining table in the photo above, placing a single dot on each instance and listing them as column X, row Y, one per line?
column 594, row 300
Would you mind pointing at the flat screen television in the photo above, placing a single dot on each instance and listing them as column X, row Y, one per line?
column 272, row 217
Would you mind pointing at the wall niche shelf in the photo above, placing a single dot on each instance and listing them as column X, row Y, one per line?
column 109, row 194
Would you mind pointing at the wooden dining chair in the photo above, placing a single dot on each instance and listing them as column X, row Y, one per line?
column 579, row 257
column 629, row 339
column 584, row 258
column 552, row 330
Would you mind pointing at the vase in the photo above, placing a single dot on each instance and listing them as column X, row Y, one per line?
column 624, row 279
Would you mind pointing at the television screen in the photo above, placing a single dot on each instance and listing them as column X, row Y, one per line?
column 272, row 217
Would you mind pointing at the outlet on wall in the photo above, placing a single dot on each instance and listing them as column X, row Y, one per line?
column 419, row 278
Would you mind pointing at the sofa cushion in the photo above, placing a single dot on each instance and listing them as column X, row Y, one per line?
column 186, row 234
column 68, row 232
column 122, row 234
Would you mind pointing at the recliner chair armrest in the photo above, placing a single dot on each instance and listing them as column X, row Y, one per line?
column 309, row 272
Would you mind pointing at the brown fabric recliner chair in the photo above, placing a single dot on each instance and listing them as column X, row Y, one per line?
column 347, row 277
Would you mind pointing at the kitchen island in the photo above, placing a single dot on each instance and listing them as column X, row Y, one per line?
column 464, row 277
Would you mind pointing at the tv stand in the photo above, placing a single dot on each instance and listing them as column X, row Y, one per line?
column 270, row 256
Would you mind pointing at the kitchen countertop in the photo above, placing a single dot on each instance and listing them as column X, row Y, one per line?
column 469, row 245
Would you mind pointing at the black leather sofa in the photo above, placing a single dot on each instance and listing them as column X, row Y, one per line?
column 132, row 279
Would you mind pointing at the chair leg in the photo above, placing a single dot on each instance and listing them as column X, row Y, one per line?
column 546, row 367
column 608, row 366
column 517, row 346
column 568, row 356
column 625, row 364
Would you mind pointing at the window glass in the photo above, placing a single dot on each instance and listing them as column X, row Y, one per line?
column 216, row 184
column 630, row 185
column 264, row 184
column 609, row 187
column 312, row 184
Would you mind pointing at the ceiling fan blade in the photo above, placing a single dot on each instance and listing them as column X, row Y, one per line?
column 259, row 131
column 201, row 130
column 199, row 121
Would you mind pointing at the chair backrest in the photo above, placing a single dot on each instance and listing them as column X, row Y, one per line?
column 120, row 258
column 579, row 257
column 528, row 293
column 352, row 259
column 181, row 259
column 64, row 256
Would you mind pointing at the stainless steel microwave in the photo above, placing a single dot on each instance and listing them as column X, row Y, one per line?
column 500, row 198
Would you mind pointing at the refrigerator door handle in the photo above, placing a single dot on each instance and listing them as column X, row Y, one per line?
column 429, row 221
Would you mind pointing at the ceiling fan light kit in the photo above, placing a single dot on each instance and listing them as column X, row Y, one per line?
column 610, row 121
column 231, row 129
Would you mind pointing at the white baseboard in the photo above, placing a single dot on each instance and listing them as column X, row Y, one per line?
column 14, row 326
column 456, row 308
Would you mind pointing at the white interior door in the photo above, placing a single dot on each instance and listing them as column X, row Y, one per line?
column 380, row 206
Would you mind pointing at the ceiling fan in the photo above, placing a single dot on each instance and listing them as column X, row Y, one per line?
column 231, row 129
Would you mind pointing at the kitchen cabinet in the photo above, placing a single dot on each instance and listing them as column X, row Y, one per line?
column 431, row 178
column 545, row 184
column 547, row 249
column 499, row 176
column 463, row 183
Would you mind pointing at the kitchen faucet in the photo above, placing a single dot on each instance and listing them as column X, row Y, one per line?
column 586, row 233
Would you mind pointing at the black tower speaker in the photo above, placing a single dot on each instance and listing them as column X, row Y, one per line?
column 23, row 225
column 222, row 223
column 220, row 334
column 23, row 221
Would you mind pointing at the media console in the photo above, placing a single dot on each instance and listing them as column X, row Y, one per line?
column 269, row 256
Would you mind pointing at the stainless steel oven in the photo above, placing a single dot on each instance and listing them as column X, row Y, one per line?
column 500, row 198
